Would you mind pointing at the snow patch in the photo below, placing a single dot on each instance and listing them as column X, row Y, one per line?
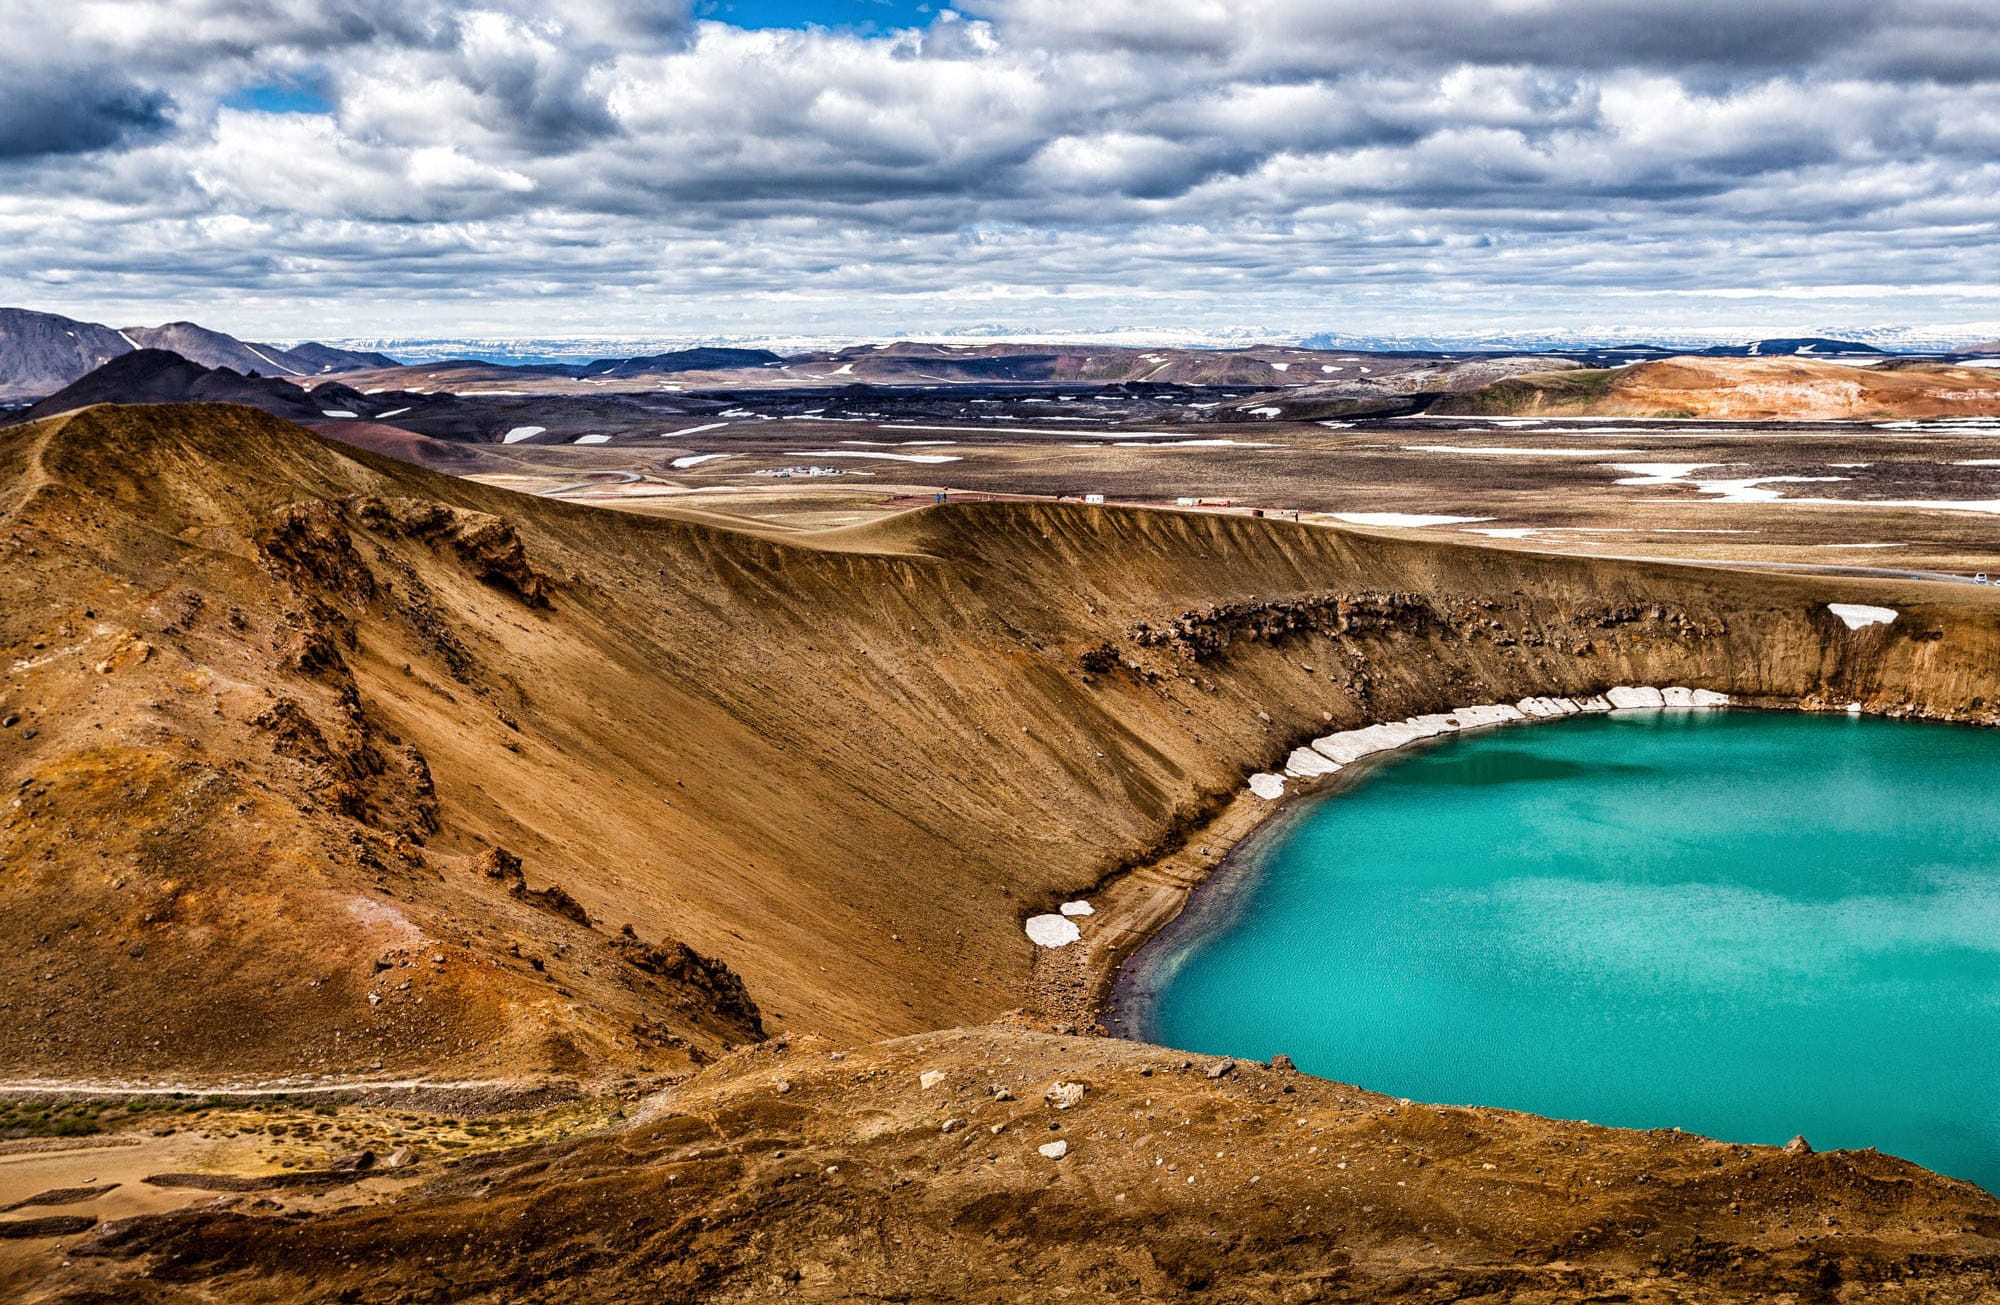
column 1505, row 451
column 1402, row 519
column 1267, row 786
column 519, row 433
column 885, row 457
column 1052, row 930
column 289, row 371
column 1859, row 615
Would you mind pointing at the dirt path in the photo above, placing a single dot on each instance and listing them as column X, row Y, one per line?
column 453, row 1096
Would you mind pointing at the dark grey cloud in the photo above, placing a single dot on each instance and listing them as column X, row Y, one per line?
column 77, row 114
column 1268, row 161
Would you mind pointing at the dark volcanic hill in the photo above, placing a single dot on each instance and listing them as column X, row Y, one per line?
column 322, row 358
column 157, row 376
column 680, row 360
column 42, row 352
column 1787, row 347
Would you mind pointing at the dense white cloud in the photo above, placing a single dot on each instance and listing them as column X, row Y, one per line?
column 1301, row 164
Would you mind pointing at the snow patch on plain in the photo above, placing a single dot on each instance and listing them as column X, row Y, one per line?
column 1507, row 451
column 1402, row 519
column 885, row 457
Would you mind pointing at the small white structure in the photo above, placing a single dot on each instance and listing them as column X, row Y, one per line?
column 1097, row 499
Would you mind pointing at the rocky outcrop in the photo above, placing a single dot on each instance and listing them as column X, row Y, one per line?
column 1200, row 636
column 487, row 545
column 719, row 990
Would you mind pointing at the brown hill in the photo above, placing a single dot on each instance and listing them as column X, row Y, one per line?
column 279, row 716
column 1788, row 389
column 270, row 692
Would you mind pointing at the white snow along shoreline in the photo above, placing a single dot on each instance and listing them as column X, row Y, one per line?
column 1325, row 756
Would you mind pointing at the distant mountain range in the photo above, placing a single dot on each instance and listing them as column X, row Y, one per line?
column 42, row 352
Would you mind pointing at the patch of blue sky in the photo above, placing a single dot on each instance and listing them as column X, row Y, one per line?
column 854, row 15
column 280, row 97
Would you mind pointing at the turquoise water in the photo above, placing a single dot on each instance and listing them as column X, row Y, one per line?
column 1743, row 924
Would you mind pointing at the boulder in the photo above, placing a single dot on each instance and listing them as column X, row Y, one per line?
column 1062, row 1095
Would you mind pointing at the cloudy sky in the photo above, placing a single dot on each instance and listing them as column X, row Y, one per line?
column 284, row 168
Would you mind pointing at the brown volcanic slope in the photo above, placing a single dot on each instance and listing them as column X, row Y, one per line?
column 279, row 702
column 1775, row 389
column 272, row 705
column 797, row 1173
